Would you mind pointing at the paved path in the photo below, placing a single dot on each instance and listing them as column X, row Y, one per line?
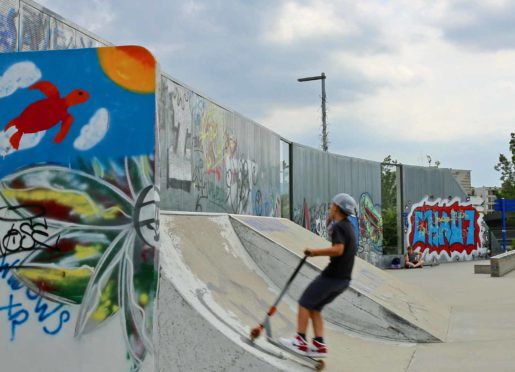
column 481, row 333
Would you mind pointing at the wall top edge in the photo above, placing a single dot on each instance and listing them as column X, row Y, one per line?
column 65, row 21
column 339, row 156
column 205, row 96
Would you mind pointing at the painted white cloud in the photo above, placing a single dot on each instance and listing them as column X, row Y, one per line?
column 28, row 141
column 19, row 75
column 93, row 132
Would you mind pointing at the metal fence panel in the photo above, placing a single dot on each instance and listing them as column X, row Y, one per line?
column 34, row 29
column 215, row 160
column 9, row 15
column 419, row 182
column 62, row 36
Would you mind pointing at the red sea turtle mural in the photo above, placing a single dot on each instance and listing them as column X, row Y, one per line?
column 46, row 113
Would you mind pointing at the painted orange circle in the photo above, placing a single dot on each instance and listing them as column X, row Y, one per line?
column 131, row 67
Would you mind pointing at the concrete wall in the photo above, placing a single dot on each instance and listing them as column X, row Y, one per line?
column 78, row 217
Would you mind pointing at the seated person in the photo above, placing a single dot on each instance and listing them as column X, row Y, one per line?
column 413, row 259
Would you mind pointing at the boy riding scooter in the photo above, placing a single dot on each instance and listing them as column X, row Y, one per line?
column 333, row 280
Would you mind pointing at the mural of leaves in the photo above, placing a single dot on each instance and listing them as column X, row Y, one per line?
column 103, row 252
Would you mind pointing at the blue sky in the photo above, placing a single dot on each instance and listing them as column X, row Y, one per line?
column 128, row 112
column 404, row 77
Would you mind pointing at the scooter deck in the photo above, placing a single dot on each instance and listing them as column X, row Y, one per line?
column 317, row 363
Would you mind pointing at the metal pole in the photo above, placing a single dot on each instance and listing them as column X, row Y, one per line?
column 503, row 209
column 400, row 208
column 324, row 141
column 324, row 116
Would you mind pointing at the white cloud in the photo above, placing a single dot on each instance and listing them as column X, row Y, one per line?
column 297, row 22
column 93, row 132
column 19, row 75
column 292, row 123
column 28, row 140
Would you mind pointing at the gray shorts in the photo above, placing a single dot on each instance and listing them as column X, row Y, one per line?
column 322, row 291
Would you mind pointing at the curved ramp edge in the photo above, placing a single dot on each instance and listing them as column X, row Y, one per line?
column 194, row 332
column 376, row 305
column 209, row 279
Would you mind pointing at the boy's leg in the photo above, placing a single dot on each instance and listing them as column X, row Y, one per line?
column 318, row 323
column 302, row 320
column 318, row 348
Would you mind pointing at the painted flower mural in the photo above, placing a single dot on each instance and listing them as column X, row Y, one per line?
column 79, row 226
column 102, row 253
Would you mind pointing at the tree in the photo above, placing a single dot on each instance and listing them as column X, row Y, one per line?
column 389, row 204
column 389, row 182
column 507, row 168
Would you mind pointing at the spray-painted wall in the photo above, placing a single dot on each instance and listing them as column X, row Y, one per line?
column 215, row 160
column 446, row 230
column 78, row 216
column 419, row 182
column 318, row 176
column 25, row 26
column 436, row 189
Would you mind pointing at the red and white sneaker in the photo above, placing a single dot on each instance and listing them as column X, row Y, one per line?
column 317, row 350
column 296, row 344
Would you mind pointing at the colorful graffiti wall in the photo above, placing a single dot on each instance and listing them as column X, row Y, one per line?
column 370, row 229
column 214, row 160
column 446, row 229
column 78, row 209
column 368, row 225
column 318, row 176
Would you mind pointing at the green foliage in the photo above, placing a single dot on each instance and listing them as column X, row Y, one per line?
column 285, row 205
column 389, row 183
column 390, row 237
column 506, row 166
column 389, row 204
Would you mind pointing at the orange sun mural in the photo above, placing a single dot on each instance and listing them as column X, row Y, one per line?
column 131, row 67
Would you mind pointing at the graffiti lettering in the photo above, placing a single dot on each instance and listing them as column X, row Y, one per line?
column 25, row 233
column 19, row 313
column 313, row 218
column 8, row 32
column 445, row 227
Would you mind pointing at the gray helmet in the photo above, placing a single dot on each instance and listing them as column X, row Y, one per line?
column 346, row 203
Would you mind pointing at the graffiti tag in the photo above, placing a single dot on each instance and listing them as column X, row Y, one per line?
column 448, row 226
column 52, row 319
column 24, row 233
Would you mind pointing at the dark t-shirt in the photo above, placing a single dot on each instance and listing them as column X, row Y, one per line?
column 340, row 267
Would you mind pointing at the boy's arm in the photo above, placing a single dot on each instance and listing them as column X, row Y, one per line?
column 406, row 258
column 335, row 250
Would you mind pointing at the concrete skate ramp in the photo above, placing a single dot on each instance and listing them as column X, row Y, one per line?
column 377, row 304
column 212, row 292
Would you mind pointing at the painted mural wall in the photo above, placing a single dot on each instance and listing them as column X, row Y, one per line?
column 78, row 209
column 446, row 230
column 25, row 26
column 318, row 176
column 215, row 160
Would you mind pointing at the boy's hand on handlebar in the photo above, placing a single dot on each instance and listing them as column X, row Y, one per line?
column 309, row 252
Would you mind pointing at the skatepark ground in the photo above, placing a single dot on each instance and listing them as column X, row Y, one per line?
column 481, row 333
column 214, row 289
